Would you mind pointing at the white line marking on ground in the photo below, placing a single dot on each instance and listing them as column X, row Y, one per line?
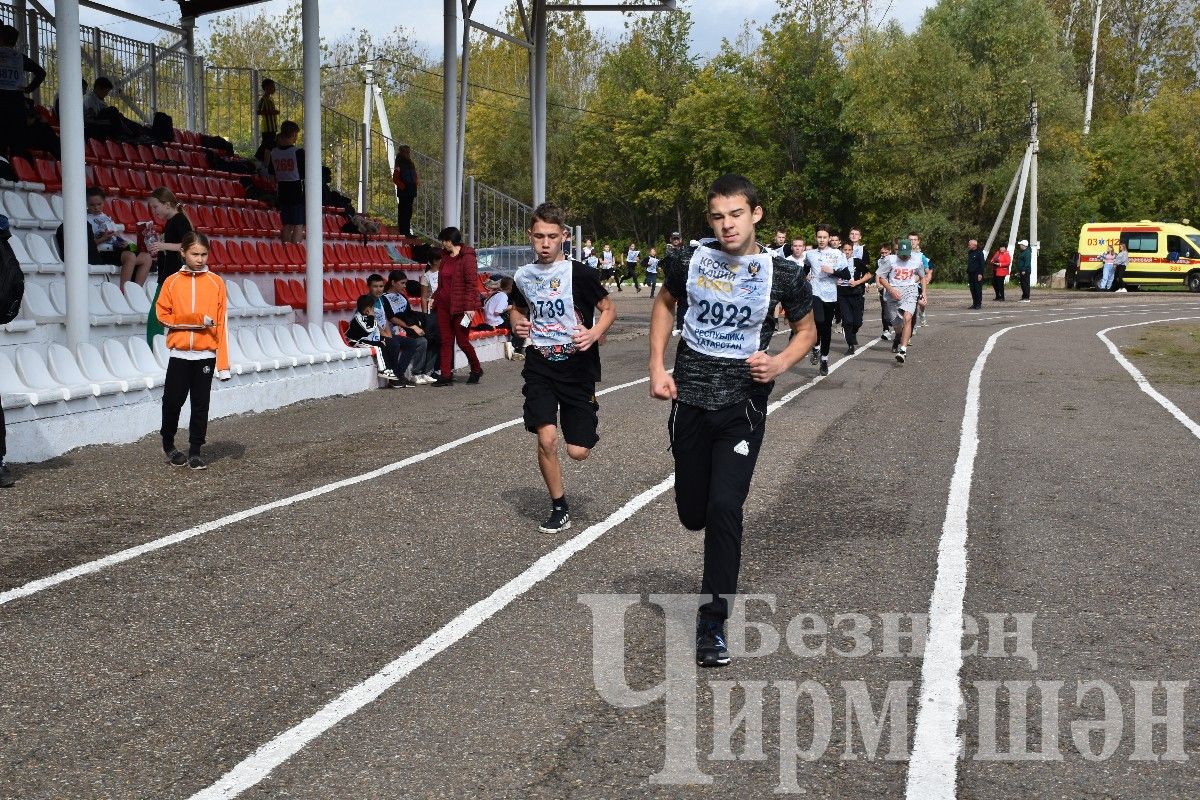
column 257, row 766
column 933, row 766
column 1021, row 308
column 1143, row 384
column 90, row 567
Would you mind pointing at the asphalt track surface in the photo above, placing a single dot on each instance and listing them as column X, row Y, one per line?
column 202, row 668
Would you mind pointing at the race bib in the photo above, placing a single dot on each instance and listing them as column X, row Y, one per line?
column 12, row 69
column 284, row 161
column 728, row 301
column 549, row 292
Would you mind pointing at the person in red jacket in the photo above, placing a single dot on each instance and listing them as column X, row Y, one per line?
column 455, row 301
column 1000, row 264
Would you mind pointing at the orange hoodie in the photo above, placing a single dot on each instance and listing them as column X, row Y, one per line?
column 185, row 300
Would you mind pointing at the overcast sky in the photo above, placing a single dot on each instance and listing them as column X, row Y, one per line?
column 713, row 18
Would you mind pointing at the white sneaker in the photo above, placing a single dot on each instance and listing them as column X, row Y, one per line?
column 886, row 336
column 387, row 373
column 1122, row 289
column 509, row 350
column 422, row 380
column 675, row 332
column 518, row 357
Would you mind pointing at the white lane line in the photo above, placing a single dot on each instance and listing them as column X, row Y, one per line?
column 91, row 567
column 1165, row 305
column 1143, row 384
column 258, row 765
column 933, row 766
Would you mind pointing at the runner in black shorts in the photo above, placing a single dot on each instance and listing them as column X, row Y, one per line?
column 555, row 301
column 723, row 377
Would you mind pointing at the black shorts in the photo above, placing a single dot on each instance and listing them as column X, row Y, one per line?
column 547, row 401
column 111, row 257
column 292, row 214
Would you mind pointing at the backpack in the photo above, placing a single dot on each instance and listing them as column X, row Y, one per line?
column 163, row 127
column 12, row 280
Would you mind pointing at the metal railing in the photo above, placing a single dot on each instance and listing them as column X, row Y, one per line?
column 151, row 77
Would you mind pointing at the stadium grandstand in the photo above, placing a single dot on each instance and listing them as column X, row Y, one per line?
column 76, row 366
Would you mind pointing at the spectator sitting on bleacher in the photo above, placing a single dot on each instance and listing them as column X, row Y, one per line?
column 499, row 306
column 404, row 349
column 111, row 246
column 38, row 134
column 412, row 324
column 13, row 90
column 429, row 278
column 365, row 331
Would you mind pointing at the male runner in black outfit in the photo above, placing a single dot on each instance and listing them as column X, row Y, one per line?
column 723, row 377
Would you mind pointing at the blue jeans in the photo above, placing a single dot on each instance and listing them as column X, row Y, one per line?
column 1107, row 278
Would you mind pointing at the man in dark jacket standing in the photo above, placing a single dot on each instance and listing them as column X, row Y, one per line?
column 975, row 273
column 1024, row 267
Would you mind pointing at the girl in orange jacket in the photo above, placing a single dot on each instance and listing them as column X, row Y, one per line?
column 191, row 305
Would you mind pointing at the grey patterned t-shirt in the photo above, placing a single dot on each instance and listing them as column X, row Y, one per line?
column 711, row 382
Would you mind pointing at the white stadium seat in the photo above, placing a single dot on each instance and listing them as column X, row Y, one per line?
column 256, row 299
column 253, row 350
column 16, row 393
column 34, row 373
column 17, row 210
column 117, row 361
column 136, row 297
column 270, row 346
column 161, row 353
column 143, row 358
column 239, row 362
column 41, row 254
column 117, row 304
column 28, row 265
column 41, row 211
column 307, row 345
column 38, row 306
column 289, row 345
column 56, row 204
column 65, row 369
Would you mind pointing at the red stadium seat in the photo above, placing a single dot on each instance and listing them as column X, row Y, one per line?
column 343, row 327
column 360, row 286
column 218, row 256
column 330, row 301
column 124, row 182
column 141, row 185
column 297, row 256
column 94, row 151
column 141, row 210
column 160, row 152
column 122, row 212
column 105, row 179
column 283, row 293
column 145, row 156
column 129, row 155
column 249, row 256
column 25, row 170
column 266, row 257
column 202, row 218
column 116, row 156
column 280, row 258
column 220, row 222
column 299, row 294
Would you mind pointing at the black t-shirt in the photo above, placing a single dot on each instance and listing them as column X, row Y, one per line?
column 586, row 292
column 169, row 261
column 711, row 382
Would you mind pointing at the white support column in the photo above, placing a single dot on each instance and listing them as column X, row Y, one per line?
column 539, row 57
column 1087, row 106
column 314, row 232
column 35, row 48
column 1020, row 205
column 189, row 71
column 472, row 217
column 368, row 105
column 450, row 201
column 460, row 158
column 1034, row 244
column 75, row 250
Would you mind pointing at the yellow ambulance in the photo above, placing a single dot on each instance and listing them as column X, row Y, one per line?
column 1160, row 253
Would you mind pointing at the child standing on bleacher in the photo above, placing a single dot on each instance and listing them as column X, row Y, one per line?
column 191, row 304
column 287, row 163
column 13, row 90
column 269, row 113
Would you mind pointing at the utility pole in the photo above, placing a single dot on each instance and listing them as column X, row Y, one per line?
column 1034, row 244
column 1087, row 107
column 364, row 174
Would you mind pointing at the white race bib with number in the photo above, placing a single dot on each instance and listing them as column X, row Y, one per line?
column 12, row 69
column 549, row 292
column 728, row 301
column 286, row 164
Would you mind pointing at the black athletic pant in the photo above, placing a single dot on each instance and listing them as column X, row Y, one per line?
column 975, row 282
column 3, row 437
column 998, row 285
column 1025, row 285
column 652, row 282
column 631, row 275
column 851, row 308
column 823, row 315
column 715, row 453
column 883, row 310
column 1118, row 277
column 187, row 378
column 404, row 211
column 399, row 351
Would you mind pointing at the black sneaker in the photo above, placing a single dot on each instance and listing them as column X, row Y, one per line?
column 814, row 356
column 710, row 645
column 824, row 368
column 900, row 354
column 6, row 478
column 443, row 382
column 896, row 346
column 474, row 377
column 177, row 459
column 196, row 462
column 560, row 520
column 851, row 350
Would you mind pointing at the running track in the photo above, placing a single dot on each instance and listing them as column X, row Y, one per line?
column 355, row 602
